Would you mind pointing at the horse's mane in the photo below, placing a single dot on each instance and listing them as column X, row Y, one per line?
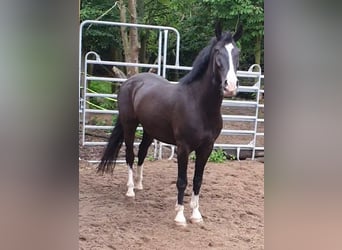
column 201, row 62
column 199, row 65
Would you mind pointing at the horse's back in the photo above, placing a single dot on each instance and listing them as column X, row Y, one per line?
column 149, row 99
column 146, row 86
column 152, row 79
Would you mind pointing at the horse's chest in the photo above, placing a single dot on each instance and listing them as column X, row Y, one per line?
column 201, row 130
column 214, row 129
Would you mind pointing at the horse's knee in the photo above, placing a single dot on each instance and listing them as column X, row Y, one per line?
column 181, row 184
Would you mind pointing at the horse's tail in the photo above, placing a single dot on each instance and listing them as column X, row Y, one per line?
column 112, row 150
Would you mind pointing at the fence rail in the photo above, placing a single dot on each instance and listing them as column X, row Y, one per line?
column 85, row 94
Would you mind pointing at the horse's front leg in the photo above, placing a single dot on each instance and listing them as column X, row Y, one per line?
column 202, row 156
column 130, row 182
column 182, row 182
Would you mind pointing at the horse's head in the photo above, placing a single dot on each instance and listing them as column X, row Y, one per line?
column 226, row 60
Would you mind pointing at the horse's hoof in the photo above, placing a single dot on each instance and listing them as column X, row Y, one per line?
column 196, row 220
column 181, row 223
column 139, row 187
column 130, row 194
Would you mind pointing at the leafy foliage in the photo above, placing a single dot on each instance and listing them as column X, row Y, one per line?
column 195, row 21
column 101, row 87
column 248, row 12
column 217, row 156
column 99, row 39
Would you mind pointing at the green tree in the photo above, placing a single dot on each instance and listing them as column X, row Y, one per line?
column 195, row 21
column 103, row 40
column 251, row 14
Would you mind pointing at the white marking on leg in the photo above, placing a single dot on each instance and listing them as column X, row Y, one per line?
column 231, row 75
column 130, row 183
column 140, row 177
column 180, row 218
column 194, row 204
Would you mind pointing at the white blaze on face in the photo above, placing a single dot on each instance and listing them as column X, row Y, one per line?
column 231, row 76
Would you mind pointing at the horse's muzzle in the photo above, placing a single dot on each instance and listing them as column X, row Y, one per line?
column 230, row 89
column 227, row 93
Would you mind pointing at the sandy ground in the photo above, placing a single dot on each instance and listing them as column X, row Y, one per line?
column 231, row 200
column 231, row 203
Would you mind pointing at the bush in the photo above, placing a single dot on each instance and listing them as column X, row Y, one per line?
column 217, row 156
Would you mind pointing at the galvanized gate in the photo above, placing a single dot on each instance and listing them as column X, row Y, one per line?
column 162, row 67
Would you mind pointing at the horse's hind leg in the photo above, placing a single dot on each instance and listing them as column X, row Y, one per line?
column 129, row 140
column 143, row 147
column 182, row 182
column 202, row 155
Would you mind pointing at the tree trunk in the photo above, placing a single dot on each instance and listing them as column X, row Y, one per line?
column 143, row 45
column 133, row 37
column 143, row 34
column 118, row 74
column 257, row 50
column 124, row 37
column 130, row 44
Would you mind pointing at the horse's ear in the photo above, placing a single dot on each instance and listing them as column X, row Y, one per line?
column 218, row 30
column 238, row 33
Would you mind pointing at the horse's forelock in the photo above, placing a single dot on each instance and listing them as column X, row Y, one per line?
column 226, row 37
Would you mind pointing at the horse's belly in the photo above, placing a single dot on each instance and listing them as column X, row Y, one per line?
column 154, row 114
column 161, row 132
column 168, row 140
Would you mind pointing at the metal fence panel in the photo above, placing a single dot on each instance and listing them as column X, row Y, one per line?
column 254, row 72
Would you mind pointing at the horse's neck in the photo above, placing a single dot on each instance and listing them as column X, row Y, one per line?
column 210, row 93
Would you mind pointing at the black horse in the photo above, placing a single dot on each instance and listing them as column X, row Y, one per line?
column 187, row 115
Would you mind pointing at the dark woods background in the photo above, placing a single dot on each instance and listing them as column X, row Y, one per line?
column 195, row 20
